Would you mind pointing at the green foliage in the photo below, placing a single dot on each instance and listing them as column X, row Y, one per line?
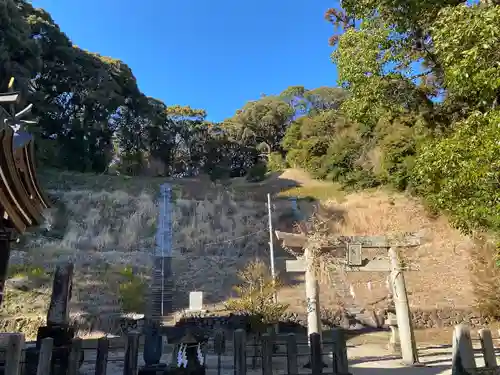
column 446, row 150
column 132, row 291
column 276, row 162
column 256, row 295
column 461, row 173
column 466, row 40
column 398, row 147
column 257, row 173
column 260, row 121
column 95, row 125
column 417, row 103
column 26, row 270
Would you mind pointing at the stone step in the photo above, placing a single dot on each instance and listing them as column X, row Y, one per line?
column 354, row 310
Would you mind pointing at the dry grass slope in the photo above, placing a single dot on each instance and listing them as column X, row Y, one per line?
column 107, row 223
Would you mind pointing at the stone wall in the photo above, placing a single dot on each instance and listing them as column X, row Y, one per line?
column 447, row 317
column 422, row 318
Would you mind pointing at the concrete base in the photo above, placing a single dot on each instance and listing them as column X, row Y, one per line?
column 394, row 348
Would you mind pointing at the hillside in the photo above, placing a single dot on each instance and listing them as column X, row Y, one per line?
column 106, row 225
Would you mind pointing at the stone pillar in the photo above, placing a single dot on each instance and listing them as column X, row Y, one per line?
column 394, row 342
column 58, row 324
column 313, row 308
column 312, row 293
column 403, row 316
column 58, row 314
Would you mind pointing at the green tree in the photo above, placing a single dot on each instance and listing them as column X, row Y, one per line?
column 423, row 82
column 460, row 174
column 260, row 121
column 256, row 292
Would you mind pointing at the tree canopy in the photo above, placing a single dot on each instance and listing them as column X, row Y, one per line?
column 416, row 107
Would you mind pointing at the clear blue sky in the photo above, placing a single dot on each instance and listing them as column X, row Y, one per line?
column 214, row 55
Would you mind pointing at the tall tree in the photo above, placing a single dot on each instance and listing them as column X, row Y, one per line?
column 261, row 122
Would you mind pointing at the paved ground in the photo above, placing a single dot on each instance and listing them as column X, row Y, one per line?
column 365, row 359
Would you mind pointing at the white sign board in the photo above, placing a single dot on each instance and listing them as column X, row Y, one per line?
column 195, row 301
column 295, row 265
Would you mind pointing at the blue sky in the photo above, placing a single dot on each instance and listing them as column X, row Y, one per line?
column 214, row 55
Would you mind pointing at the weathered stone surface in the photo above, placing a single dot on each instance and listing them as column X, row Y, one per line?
column 448, row 317
column 58, row 313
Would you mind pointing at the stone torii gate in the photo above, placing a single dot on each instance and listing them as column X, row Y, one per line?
column 351, row 249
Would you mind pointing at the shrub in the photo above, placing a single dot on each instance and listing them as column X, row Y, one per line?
column 358, row 178
column 132, row 291
column 256, row 295
column 399, row 148
column 257, row 173
column 276, row 162
column 29, row 271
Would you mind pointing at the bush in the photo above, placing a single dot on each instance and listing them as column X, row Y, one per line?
column 132, row 291
column 276, row 162
column 256, row 296
column 257, row 173
column 29, row 271
column 358, row 178
column 399, row 148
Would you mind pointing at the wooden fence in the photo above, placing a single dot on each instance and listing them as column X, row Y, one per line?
column 242, row 355
column 464, row 362
column 270, row 355
column 15, row 361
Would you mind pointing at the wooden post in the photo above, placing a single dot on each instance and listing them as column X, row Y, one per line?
column 316, row 354
column 255, row 347
column 267, row 354
column 407, row 337
column 240, row 355
column 463, row 352
column 339, row 351
column 130, row 367
column 13, row 354
column 101, row 362
column 487, row 347
column 45, row 356
column 219, row 347
column 291, row 354
column 74, row 356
